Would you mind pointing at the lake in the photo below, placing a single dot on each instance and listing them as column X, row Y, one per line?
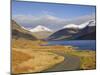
column 81, row 44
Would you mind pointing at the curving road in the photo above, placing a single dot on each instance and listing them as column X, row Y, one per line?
column 69, row 63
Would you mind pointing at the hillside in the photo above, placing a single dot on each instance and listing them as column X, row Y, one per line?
column 18, row 32
column 65, row 33
column 87, row 33
column 42, row 35
column 41, row 32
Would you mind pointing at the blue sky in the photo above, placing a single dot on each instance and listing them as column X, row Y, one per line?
column 59, row 10
column 30, row 14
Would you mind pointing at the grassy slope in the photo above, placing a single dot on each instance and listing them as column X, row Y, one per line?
column 42, row 35
column 26, row 60
column 88, row 59
column 19, row 32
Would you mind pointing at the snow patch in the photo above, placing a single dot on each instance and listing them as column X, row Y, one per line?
column 81, row 26
column 40, row 28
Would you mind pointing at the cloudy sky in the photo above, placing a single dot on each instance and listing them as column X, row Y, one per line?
column 53, row 16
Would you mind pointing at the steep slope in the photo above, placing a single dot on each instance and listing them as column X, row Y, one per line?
column 18, row 32
column 90, row 36
column 83, row 32
column 63, row 34
column 90, row 33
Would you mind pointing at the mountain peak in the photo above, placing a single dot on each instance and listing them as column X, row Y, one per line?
column 81, row 26
column 71, row 26
column 40, row 28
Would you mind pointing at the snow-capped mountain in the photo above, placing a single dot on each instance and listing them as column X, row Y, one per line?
column 85, row 31
column 40, row 28
column 71, row 26
column 92, row 23
column 41, row 32
column 24, row 28
column 81, row 26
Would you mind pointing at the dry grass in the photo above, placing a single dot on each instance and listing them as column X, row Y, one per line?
column 23, row 43
column 36, row 45
column 87, row 58
column 33, row 61
column 29, row 56
column 19, row 57
column 88, row 63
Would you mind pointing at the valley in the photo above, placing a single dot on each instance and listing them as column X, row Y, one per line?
column 31, row 54
column 52, row 37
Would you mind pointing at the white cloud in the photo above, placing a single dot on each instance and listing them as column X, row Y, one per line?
column 49, row 21
column 32, row 21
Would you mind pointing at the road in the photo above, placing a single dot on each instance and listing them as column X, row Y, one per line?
column 70, row 63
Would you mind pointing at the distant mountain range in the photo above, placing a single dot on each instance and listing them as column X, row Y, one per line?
column 81, row 26
column 19, row 32
column 85, row 31
column 40, row 28
column 41, row 32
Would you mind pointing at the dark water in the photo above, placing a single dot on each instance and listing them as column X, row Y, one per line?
column 81, row 44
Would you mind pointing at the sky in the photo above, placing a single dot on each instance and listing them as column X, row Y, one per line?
column 31, row 14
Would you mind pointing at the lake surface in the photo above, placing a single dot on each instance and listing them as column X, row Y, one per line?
column 81, row 44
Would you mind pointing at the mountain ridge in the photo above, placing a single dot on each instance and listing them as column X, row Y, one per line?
column 40, row 28
column 41, row 32
column 18, row 32
column 75, row 33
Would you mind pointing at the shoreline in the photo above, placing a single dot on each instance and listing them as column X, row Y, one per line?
column 69, row 53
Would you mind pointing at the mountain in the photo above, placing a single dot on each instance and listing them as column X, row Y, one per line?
column 40, row 28
column 71, row 26
column 85, row 31
column 63, row 34
column 81, row 26
column 41, row 32
column 19, row 32
column 88, row 33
